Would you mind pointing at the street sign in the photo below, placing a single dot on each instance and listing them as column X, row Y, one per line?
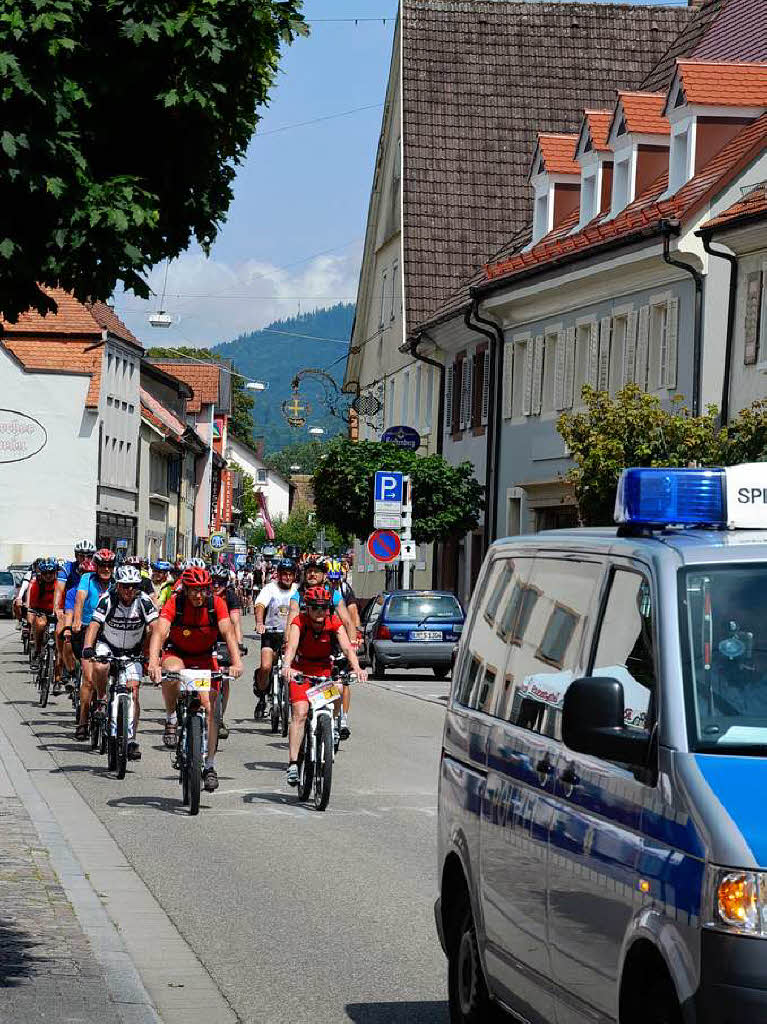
column 403, row 437
column 408, row 552
column 387, row 520
column 388, row 487
column 384, row 545
column 217, row 541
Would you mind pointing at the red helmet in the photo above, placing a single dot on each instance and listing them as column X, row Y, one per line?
column 318, row 596
column 88, row 565
column 104, row 557
column 195, row 577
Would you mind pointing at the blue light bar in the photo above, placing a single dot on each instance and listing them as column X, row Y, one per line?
column 666, row 497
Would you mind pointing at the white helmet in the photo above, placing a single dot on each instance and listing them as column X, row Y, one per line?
column 196, row 563
column 128, row 574
column 86, row 546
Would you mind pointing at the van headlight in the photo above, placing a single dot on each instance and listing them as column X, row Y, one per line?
column 736, row 900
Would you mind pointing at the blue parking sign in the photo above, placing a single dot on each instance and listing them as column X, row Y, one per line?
column 388, row 486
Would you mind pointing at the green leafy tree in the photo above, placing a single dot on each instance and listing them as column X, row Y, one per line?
column 634, row 429
column 250, row 505
column 300, row 528
column 123, row 125
column 306, row 455
column 241, row 420
column 447, row 500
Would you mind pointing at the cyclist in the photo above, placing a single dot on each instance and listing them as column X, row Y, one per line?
column 72, row 647
column 92, row 587
column 68, row 577
column 312, row 640
column 223, row 588
column 315, row 569
column 159, row 580
column 121, row 622
column 137, row 562
column 190, row 623
column 20, row 601
column 271, row 610
column 40, row 603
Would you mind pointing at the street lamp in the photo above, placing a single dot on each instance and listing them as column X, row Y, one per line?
column 294, row 469
column 316, row 431
column 256, row 385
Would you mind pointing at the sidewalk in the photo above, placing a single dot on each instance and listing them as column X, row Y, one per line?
column 47, row 968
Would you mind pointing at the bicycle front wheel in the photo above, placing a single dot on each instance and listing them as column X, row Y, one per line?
column 121, row 740
column 323, row 767
column 305, row 766
column 284, row 708
column 193, row 766
column 45, row 677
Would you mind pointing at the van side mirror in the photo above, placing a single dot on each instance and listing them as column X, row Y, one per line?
column 593, row 722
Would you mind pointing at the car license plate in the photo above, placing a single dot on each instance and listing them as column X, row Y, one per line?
column 426, row 634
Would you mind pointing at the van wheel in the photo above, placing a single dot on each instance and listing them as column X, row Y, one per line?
column 467, row 992
column 662, row 1006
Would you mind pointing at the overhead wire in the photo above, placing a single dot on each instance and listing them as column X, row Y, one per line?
column 316, row 120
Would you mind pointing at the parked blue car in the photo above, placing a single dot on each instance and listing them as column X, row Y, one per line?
column 412, row 629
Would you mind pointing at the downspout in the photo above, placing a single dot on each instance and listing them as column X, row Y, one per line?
column 494, row 335
column 724, row 414
column 669, row 228
column 411, row 346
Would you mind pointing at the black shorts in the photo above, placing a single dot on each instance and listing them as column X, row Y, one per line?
column 272, row 640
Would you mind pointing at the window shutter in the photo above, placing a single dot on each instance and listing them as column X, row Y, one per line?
column 569, row 368
column 467, row 366
column 629, row 348
column 643, row 342
column 753, row 316
column 485, row 389
column 604, row 354
column 593, row 374
column 538, row 373
column 448, row 399
column 559, row 372
column 527, row 398
column 508, row 380
column 672, row 328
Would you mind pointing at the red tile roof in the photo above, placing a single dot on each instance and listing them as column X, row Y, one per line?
column 202, row 378
column 720, row 84
column 71, row 317
column 646, row 212
column 598, row 127
column 557, row 153
column 643, row 112
column 55, row 355
column 160, row 416
column 752, row 205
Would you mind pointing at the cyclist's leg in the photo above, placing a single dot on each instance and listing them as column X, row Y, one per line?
column 38, row 625
column 267, row 660
column 170, row 688
column 59, row 645
column 66, row 648
column 134, row 678
column 99, row 677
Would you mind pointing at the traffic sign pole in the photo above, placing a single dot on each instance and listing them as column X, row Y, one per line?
column 405, row 535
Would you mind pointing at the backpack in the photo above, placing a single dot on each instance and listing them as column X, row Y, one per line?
column 178, row 618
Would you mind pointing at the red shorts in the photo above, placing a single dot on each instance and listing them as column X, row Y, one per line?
column 298, row 689
column 202, row 661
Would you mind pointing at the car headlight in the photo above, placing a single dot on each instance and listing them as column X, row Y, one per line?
column 736, row 900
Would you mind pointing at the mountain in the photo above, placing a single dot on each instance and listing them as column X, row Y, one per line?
column 277, row 353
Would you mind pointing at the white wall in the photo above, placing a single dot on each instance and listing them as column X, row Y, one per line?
column 49, row 500
column 276, row 489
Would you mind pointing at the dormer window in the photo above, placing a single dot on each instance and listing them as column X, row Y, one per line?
column 595, row 157
column 681, row 163
column 639, row 136
column 621, row 185
column 554, row 176
column 541, row 216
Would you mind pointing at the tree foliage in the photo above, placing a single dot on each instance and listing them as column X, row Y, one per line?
column 300, row 528
column 447, row 500
column 306, row 454
column 241, row 420
column 250, row 507
column 634, row 429
column 123, row 124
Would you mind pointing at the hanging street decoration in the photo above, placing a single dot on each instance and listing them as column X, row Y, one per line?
column 296, row 411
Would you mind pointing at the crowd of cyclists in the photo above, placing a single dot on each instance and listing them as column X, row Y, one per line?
column 168, row 617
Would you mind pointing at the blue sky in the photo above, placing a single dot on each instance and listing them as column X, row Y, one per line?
column 301, row 192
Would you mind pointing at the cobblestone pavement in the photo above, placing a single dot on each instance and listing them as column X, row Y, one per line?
column 47, row 969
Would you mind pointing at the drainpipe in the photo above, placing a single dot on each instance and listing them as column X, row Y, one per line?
column 411, row 346
column 491, row 330
column 724, row 414
column 669, row 228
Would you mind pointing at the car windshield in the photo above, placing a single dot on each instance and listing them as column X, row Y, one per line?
column 723, row 616
column 6, row 579
column 416, row 607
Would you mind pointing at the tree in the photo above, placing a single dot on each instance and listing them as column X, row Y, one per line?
column 300, row 528
column 447, row 500
column 305, row 454
column 123, row 125
column 250, row 506
column 241, row 421
column 634, row 429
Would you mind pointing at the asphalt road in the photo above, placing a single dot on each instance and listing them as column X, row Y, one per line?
column 297, row 915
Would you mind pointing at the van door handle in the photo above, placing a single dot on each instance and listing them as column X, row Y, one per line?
column 544, row 767
column 569, row 776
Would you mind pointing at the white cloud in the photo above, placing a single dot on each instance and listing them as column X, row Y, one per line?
column 212, row 301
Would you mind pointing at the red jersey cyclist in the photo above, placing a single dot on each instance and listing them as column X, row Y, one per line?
column 189, row 626
column 313, row 636
column 40, row 603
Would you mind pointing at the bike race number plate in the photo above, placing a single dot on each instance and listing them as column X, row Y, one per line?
column 196, row 679
column 324, row 693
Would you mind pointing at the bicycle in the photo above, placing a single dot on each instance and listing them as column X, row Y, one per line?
column 46, row 668
column 76, row 679
column 280, row 695
column 191, row 730
column 318, row 744
column 120, row 719
column 25, row 633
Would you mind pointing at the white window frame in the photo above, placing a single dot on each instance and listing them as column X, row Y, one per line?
column 384, row 275
column 761, row 363
column 521, row 356
column 394, row 289
column 619, row 313
column 655, row 366
column 586, row 324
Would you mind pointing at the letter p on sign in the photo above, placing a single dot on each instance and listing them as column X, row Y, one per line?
column 388, row 487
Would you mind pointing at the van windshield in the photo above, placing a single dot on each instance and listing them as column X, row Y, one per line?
column 723, row 626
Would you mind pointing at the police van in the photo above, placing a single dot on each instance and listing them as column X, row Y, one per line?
column 603, row 779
